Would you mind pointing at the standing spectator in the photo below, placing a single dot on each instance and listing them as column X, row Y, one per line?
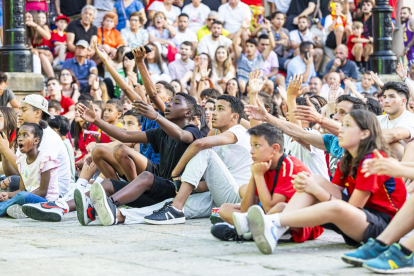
column 179, row 67
column 209, row 43
column 71, row 8
column 161, row 31
column 124, row 9
column 157, row 68
column 183, row 33
column 109, row 38
column 232, row 15
column 6, row 95
column 302, row 64
column 367, row 6
column 82, row 29
column 84, row 69
column 171, row 12
column 102, row 6
column 408, row 35
column 55, row 93
column 206, row 29
column 70, row 84
column 197, row 13
column 135, row 35
column 58, row 38
column 297, row 9
column 347, row 69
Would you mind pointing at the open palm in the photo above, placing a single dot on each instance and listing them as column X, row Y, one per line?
column 86, row 113
column 258, row 112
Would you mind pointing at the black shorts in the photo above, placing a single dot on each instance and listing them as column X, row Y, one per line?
column 331, row 40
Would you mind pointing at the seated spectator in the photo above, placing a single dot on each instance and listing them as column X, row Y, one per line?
column 315, row 86
column 299, row 8
column 302, row 64
column 166, row 7
column 206, row 29
column 55, row 93
column 124, row 9
column 81, row 140
column 333, row 79
column 183, row 33
column 84, row 69
column 303, row 34
column 82, row 29
column 99, row 90
column 232, row 15
column 135, row 35
column 161, row 31
column 6, row 95
column 197, row 13
column 178, row 86
column 357, row 50
column 233, row 88
column 102, row 6
column 70, row 84
column 39, row 35
column 347, row 69
column 366, row 85
column 208, row 94
column 109, row 38
column 179, row 67
column 209, row 43
column 37, row 5
column 54, row 107
column 58, row 39
column 338, row 24
column 157, row 68
column 223, row 69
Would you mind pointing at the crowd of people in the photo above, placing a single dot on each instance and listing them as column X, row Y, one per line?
column 269, row 125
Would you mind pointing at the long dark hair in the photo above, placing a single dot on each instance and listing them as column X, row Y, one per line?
column 365, row 120
column 74, row 79
column 209, row 64
column 77, row 127
column 239, row 93
column 10, row 120
column 157, row 57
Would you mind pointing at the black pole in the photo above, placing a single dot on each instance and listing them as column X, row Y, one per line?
column 383, row 60
column 14, row 55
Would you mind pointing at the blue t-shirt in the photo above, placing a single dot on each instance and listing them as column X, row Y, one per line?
column 81, row 71
column 245, row 65
column 350, row 70
column 332, row 146
column 146, row 149
column 135, row 6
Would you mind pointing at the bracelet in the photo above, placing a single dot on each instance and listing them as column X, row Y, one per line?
column 335, row 68
column 156, row 118
column 404, row 79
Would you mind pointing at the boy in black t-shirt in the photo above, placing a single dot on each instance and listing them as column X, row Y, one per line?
column 170, row 140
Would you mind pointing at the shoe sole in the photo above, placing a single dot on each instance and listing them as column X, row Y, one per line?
column 353, row 261
column 257, row 227
column 79, row 198
column 100, row 203
column 15, row 211
column 237, row 225
column 37, row 214
column 390, row 271
column 165, row 222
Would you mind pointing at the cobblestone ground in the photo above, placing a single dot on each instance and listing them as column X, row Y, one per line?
column 29, row 247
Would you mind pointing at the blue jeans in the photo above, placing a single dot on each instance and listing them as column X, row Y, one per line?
column 20, row 199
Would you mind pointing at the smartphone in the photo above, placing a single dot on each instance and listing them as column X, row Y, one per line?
column 130, row 55
column 91, row 132
column 401, row 60
column 307, row 54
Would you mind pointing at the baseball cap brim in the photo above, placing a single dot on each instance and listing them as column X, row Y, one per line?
column 39, row 107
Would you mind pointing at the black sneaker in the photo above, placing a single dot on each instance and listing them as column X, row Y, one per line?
column 226, row 232
column 166, row 215
column 104, row 207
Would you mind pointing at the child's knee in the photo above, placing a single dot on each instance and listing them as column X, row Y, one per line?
column 120, row 152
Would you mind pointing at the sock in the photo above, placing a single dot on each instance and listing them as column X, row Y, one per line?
column 63, row 204
column 381, row 243
column 275, row 219
column 99, row 180
column 178, row 209
column 358, row 63
column 82, row 183
column 405, row 250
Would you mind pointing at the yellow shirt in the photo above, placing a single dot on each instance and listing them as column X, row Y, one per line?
column 107, row 139
column 205, row 31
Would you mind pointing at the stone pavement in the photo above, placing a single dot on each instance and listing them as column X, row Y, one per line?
column 28, row 247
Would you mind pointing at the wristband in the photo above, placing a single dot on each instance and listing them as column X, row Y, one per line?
column 404, row 79
column 335, row 68
column 156, row 118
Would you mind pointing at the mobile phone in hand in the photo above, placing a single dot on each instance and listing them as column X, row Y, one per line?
column 130, row 55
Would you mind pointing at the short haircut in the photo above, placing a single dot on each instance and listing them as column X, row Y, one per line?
column 357, row 25
column 217, row 22
column 184, row 14
column 52, row 79
column 272, row 134
column 85, row 97
column 211, row 101
column 302, row 101
column 267, row 101
column 305, row 46
column 191, row 102
column 276, row 13
column 116, row 103
column 214, row 13
column 252, row 41
column 61, row 123
column 134, row 114
column 139, row 15
column 263, row 36
column 374, row 106
column 357, row 103
column 3, row 77
column 124, row 99
column 305, row 17
column 111, row 15
column 91, row 7
column 210, row 93
column 187, row 43
column 236, row 105
column 372, row 2
column 407, row 8
column 400, row 87
column 55, row 104
column 170, row 89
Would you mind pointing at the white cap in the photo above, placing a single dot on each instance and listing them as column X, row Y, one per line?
column 38, row 102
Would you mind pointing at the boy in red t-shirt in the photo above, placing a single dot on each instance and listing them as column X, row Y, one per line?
column 270, row 184
column 58, row 39
column 356, row 46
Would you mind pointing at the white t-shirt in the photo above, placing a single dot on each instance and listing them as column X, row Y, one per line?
column 197, row 16
column 237, row 156
column 406, row 120
column 179, row 38
column 53, row 146
column 31, row 174
column 325, row 91
column 313, row 159
column 233, row 18
column 171, row 15
column 71, row 155
column 209, row 46
column 295, row 36
column 281, row 5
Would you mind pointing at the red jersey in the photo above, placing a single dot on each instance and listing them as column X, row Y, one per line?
column 350, row 45
column 65, row 102
column 290, row 167
column 84, row 140
column 388, row 194
column 253, row 2
column 55, row 37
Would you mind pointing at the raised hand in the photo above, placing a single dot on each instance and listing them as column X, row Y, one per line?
column 101, row 54
column 294, row 88
column 307, row 113
column 254, row 81
column 204, row 72
column 145, row 110
column 266, row 25
column 282, row 92
column 334, row 93
column 401, row 70
column 86, row 113
column 139, row 54
column 4, row 142
column 245, row 23
column 258, row 112
column 376, row 79
column 197, row 62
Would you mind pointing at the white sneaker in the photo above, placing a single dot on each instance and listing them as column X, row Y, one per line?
column 241, row 223
column 263, row 230
column 15, row 211
column 84, row 208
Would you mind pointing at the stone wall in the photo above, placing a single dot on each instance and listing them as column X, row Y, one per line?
column 23, row 84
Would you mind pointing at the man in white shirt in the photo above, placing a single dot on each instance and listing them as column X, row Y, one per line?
column 184, row 33
column 170, row 11
column 232, row 15
column 209, row 43
column 197, row 13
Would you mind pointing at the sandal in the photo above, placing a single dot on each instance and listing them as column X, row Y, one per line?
column 5, row 183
